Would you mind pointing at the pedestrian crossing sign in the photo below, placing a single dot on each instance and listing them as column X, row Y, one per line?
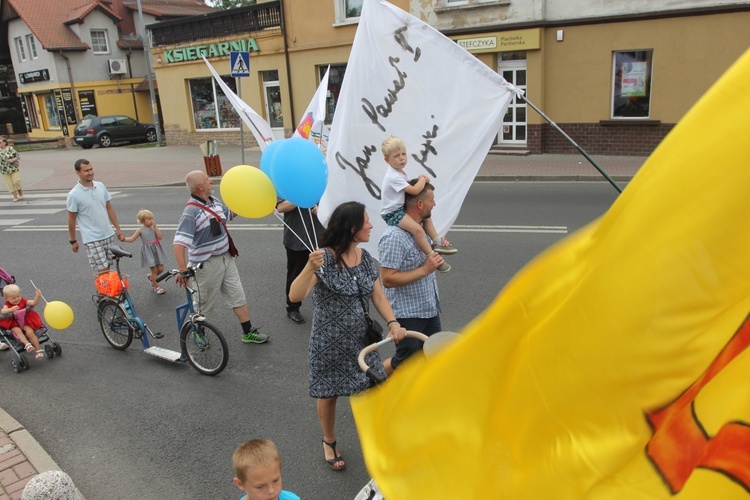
column 240, row 63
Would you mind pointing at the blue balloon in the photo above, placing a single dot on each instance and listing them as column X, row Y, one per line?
column 266, row 158
column 299, row 172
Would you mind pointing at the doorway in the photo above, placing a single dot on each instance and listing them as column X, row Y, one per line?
column 272, row 94
column 512, row 67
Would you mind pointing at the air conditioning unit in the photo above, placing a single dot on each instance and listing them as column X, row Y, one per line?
column 117, row 66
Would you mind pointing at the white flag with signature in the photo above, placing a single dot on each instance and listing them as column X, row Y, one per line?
column 405, row 78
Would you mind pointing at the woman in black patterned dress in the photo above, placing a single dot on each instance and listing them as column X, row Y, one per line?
column 338, row 275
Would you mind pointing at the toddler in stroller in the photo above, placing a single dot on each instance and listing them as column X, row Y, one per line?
column 22, row 320
column 22, row 328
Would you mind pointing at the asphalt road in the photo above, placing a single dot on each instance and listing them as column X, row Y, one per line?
column 125, row 425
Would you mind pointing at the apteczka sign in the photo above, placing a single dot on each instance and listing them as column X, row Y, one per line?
column 220, row 49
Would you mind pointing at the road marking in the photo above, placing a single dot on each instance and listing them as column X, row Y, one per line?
column 30, row 211
column 13, row 222
column 279, row 227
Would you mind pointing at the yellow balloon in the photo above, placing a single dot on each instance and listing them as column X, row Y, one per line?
column 248, row 191
column 58, row 315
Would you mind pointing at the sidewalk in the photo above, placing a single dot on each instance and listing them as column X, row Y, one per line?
column 128, row 166
column 21, row 458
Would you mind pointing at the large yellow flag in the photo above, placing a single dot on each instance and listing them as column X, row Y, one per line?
column 614, row 365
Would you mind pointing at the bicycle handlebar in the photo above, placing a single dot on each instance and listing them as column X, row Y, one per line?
column 173, row 272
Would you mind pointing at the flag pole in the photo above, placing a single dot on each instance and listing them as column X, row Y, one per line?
column 575, row 145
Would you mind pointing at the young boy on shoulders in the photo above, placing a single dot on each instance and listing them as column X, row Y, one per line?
column 393, row 194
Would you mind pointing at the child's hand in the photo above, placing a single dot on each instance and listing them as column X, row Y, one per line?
column 424, row 178
column 38, row 293
column 14, row 309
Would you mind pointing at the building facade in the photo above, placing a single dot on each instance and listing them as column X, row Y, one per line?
column 74, row 58
column 291, row 44
column 615, row 76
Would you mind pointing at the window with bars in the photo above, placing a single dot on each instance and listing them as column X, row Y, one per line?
column 99, row 42
column 19, row 48
column 32, row 46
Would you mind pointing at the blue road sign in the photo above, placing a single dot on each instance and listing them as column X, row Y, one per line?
column 240, row 63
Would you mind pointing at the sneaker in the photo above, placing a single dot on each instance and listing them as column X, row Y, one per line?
column 444, row 267
column 445, row 250
column 254, row 337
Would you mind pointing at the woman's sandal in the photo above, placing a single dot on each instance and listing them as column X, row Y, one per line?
column 337, row 457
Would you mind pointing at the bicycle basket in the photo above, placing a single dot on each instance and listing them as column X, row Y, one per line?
column 109, row 284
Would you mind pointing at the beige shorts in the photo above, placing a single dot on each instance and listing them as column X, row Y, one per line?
column 219, row 275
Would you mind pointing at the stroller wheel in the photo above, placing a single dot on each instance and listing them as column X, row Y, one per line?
column 56, row 347
column 23, row 363
column 16, row 366
column 49, row 351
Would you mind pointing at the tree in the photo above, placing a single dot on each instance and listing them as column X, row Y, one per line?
column 230, row 4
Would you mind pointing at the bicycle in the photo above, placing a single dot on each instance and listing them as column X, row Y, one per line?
column 201, row 343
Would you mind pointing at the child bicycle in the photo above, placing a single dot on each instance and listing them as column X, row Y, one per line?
column 200, row 342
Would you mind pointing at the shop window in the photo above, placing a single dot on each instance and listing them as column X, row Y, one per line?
column 211, row 108
column 49, row 105
column 631, row 84
column 32, row 46
column 99, row 42
column 335, row 79
column 348, row 11
column 19, row 48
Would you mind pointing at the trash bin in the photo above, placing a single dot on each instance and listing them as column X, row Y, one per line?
column 211, row 158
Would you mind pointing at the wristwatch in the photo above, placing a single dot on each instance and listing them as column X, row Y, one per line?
column 72, row 241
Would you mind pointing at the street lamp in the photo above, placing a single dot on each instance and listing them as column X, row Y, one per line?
column 149, row 74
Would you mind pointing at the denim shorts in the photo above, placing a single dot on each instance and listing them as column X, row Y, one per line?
column 393, row 218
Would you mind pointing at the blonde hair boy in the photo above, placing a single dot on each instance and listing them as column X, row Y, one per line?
column 257, row 469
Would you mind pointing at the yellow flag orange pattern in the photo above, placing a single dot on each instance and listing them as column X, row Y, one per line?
column 613, row 366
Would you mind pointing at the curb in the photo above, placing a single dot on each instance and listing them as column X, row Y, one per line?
column 27, row 445
column 550, row 178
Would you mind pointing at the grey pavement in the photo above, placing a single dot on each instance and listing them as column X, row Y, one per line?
column 21, row 456
column 147, row 165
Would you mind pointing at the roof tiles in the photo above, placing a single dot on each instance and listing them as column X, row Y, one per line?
column 50, row 20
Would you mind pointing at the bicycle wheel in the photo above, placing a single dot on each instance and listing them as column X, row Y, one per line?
column 114, row 323
column 204, row 346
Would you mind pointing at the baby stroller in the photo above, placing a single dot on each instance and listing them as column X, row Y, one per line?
column 432, row 345
column 19, row 360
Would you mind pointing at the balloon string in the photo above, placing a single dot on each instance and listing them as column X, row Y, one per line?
column 307, row 233
column 312, row 223
column 35, row 288
column 292, row 230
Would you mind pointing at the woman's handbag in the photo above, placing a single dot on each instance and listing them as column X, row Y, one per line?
column 374, row 331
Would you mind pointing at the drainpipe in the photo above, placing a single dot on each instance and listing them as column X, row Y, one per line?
column 288, row 66
column 73, row 93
